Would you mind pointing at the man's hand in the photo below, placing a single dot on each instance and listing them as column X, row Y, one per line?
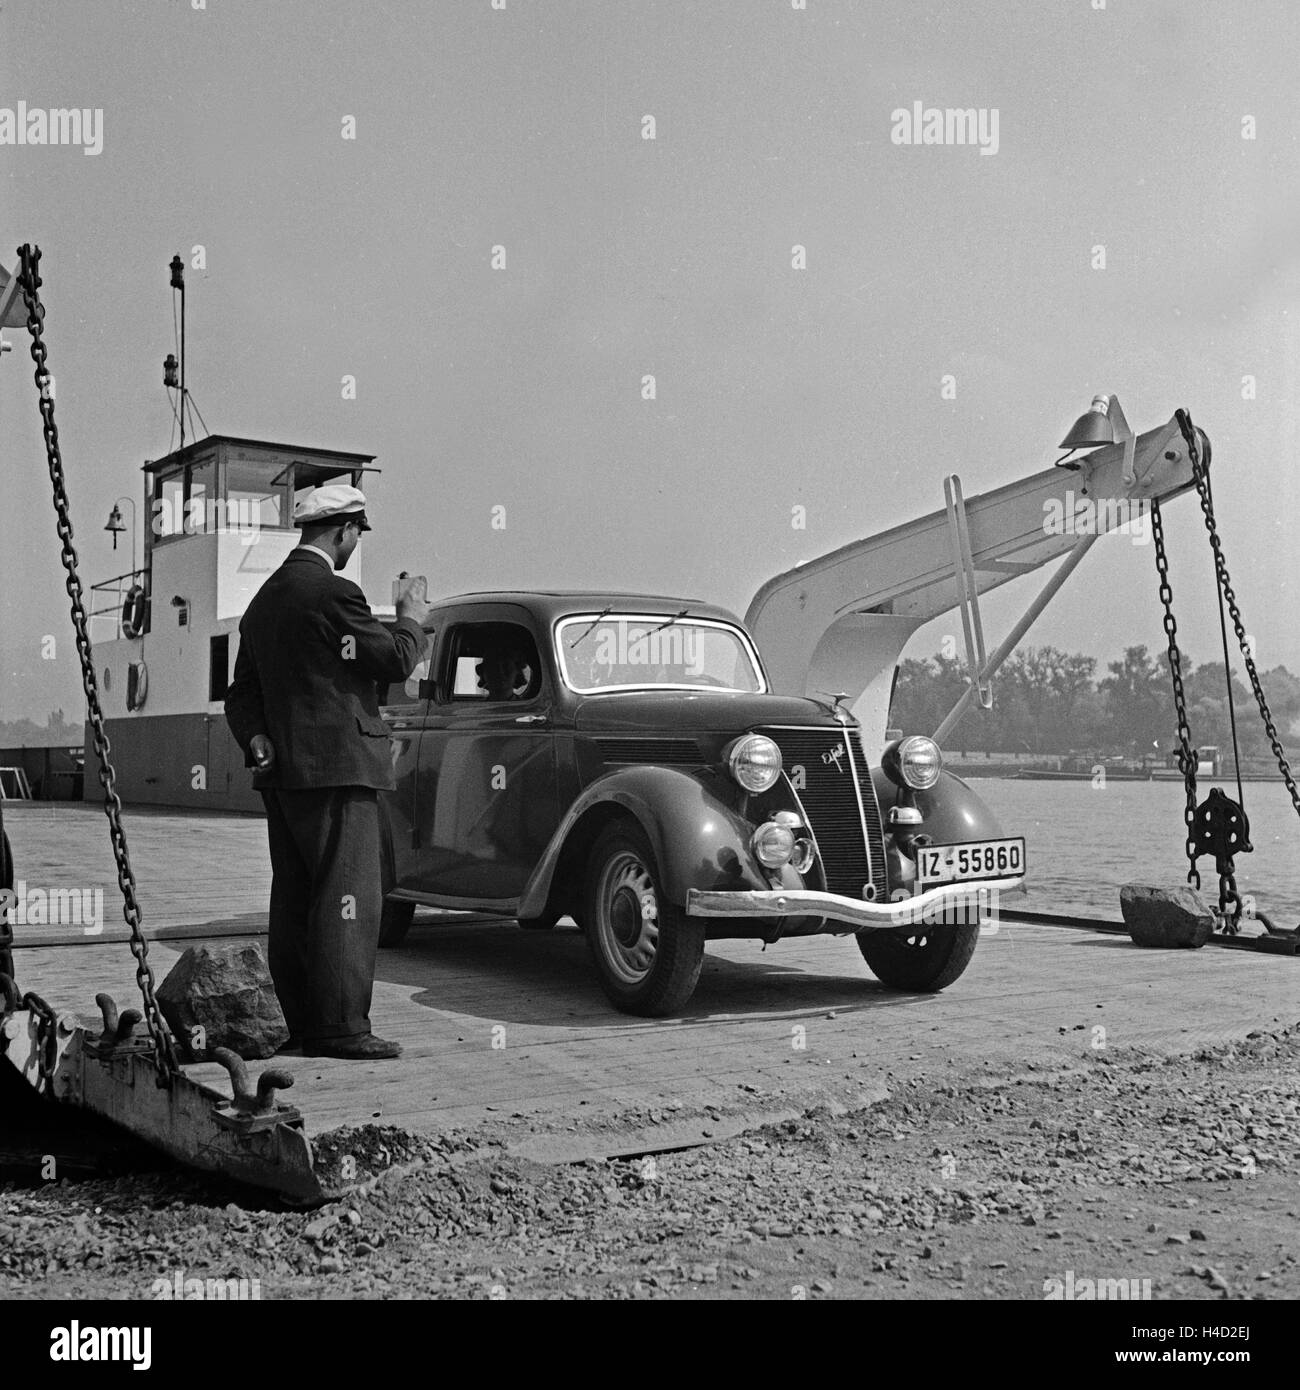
column 412, row 600
column 263, row 751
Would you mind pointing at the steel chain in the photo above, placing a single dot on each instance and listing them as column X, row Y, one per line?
column 47, row 1040
column 164, row 1048
column 1201, row 474
column 1228, row 896
column 1186, row 753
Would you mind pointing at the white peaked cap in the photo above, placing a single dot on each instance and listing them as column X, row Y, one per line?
column 332, row 500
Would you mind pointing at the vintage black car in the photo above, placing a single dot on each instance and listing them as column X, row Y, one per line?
column 620, row 760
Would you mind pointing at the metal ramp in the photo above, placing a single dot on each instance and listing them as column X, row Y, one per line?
column 250, row 1137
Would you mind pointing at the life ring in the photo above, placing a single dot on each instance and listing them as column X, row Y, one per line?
column 134, row 608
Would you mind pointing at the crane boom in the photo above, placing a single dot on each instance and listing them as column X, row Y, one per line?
column 839, row 623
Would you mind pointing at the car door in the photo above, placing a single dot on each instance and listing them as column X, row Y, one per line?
column 487, row 801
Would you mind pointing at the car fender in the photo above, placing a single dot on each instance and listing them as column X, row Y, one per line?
column 698, row 840
column 952, row 811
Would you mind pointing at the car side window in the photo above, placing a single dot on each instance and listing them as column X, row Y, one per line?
column 423, row 668
column 492, row 663
column 407, row 692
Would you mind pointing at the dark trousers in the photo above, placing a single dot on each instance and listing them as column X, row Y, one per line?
column 325, row 904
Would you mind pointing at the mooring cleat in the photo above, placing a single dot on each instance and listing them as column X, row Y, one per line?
column 119, row 1033
column 250, row 1110
column 118, row 1028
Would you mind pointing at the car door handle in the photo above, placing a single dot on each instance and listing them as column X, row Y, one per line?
column 530, row 719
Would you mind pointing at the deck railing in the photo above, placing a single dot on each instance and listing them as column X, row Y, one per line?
column 106, row 600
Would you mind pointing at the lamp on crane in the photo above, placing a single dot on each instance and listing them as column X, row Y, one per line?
column 1102, row 423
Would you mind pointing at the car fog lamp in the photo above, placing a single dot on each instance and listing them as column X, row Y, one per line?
column 755, row 762
column 773, row 844
column 802, row 858
column 913, row 762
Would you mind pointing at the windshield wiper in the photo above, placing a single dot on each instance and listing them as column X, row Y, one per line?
column 592, row 624
column 677, row 617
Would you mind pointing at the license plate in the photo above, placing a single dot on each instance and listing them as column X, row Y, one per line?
column 977, row 859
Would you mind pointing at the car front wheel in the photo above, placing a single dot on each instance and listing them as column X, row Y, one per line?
column 648, row 952
column 925, row 963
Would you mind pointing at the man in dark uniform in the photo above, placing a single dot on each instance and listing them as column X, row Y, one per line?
column 304, row 707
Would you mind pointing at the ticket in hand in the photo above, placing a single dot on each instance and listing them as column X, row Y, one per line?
column 413, row 586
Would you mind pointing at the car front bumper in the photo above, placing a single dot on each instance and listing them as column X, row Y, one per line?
column 935, row 907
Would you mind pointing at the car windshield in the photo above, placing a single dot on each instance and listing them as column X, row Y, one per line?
column 622, row 651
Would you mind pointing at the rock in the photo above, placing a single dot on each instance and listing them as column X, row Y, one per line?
column 1165, row 917
column 226, row 991
column 314, row 1230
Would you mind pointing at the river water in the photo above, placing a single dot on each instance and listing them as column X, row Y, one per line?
column 1084, row 842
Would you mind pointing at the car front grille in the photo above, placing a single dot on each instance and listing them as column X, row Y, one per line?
column 848, row 832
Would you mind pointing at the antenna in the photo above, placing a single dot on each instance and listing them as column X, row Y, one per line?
column 169, row 364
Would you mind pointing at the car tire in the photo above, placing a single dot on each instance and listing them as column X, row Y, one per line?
column 395, row 920
column 924, row 964
column 648, row 952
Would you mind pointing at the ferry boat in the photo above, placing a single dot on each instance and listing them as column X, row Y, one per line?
column 218, row 521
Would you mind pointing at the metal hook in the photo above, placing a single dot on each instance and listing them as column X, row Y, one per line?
column 247, row 1101
column 118, row 1028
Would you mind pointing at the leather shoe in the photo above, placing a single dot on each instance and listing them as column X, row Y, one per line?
column 363, row 1047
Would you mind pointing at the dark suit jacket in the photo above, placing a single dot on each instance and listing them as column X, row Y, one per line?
column 310, row 654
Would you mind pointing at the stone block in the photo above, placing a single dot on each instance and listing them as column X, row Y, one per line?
column 1165, row 917
column 226, row 990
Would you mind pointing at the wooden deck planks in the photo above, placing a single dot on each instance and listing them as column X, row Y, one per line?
column 1032, row 995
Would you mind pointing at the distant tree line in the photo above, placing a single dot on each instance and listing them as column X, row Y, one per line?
column 1051, row 702
column 26, row 733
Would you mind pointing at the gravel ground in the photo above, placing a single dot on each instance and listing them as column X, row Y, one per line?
column 1181, row 1171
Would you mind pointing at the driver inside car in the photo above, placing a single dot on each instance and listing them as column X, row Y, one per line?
column 502, row 673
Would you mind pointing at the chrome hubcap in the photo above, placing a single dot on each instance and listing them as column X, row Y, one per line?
column 628, row 925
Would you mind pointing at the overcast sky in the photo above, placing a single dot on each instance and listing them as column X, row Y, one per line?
column 522, row 127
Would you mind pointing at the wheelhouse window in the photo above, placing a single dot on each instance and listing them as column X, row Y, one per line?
column 202, row 510
column 492, row 663
column 168, row 505
column 184, row 501
column 255, row 496
column 628, row 651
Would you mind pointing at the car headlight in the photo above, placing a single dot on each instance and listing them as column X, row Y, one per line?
column 755, row 762
column 913, row 762
column 773, row 844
